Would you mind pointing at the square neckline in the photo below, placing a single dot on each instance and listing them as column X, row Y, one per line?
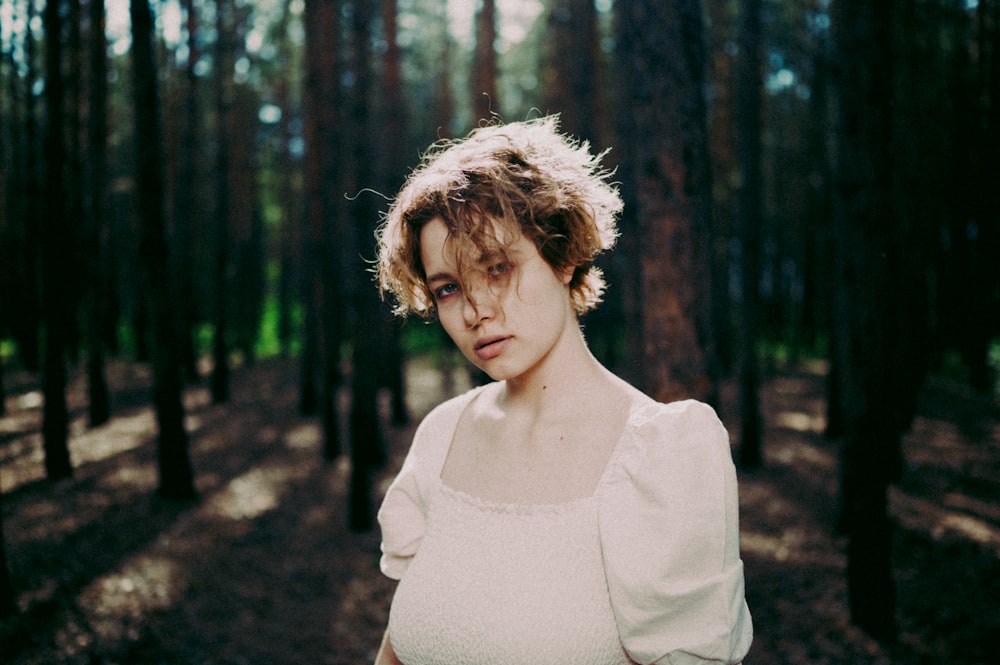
column 636, row 407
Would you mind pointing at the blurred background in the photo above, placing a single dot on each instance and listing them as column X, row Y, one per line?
column 202, row 396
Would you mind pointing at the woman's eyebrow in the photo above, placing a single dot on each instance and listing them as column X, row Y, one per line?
column 439, row 276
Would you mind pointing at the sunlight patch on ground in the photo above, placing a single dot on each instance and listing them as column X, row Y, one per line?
column 788, row 547
column 142, row 478
column 926, row 516
column 254, row 493
column 98, row 444
column 801, row 422
column 116, row 603
column 306, row 436
column 796, row 455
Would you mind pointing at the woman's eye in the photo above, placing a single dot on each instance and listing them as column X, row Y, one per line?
column 445, row 290
column 497, row 270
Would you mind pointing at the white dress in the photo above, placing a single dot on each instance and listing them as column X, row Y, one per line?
column 646, row 568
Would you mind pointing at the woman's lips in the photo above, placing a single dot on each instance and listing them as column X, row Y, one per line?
column 490, row 347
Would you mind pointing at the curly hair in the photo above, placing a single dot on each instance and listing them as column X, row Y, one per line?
column 498, row 183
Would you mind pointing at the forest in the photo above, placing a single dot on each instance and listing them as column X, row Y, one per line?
column 202, row 395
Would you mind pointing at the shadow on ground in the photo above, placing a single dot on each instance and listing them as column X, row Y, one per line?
column 262, row 569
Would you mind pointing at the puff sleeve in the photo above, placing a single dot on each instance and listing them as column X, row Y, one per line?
column 402, row 516
column 669, row 526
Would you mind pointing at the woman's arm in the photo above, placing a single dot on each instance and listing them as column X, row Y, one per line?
column 386, row 656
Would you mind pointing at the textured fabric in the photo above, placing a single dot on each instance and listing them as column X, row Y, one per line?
column 648, row 565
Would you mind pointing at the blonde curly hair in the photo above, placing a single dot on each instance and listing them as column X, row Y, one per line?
column 498, row 183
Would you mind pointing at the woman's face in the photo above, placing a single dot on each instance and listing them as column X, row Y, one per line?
column 506, row 315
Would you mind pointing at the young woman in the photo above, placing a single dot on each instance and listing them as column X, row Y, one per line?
column 556, row 515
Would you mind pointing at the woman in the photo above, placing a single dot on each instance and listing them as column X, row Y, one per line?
column 556, row 515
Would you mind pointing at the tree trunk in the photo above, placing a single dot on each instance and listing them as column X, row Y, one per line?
column 869, row 281
column 484, row 64
column 222, row 71
column 751, row 224
column 96, row 251
column 571, row 79
column 325, row 232
column 366, row 438
column 57, row 257
column 26, row 326
column 8, row 596
column 176, row 475
column 666, row 181
column 188, row 188
column 391, row 172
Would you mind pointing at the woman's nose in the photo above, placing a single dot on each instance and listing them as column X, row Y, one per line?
column 479, row 305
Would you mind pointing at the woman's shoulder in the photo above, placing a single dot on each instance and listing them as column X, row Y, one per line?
column 444, row 417
column 658, row 433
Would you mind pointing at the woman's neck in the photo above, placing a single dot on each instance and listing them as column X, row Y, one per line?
column 568, row 377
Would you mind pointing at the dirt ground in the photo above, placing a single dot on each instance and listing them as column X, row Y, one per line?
column 262, row 569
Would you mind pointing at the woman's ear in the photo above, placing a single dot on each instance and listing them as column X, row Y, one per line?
column 566, row 275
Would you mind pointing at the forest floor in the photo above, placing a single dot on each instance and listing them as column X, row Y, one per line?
column 262, row 569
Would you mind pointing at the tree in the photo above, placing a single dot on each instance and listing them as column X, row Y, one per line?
column 667, row 190
column 391, row 167
column 176, row 475
column 222, row 71
column 751, row 221
column 367, row 343
column 571, row 67
column 57, row 257
column 322, row 250
column 95, row 224
column 882, row 325
column 186, row 194
column 484, row 64
column 8, row 596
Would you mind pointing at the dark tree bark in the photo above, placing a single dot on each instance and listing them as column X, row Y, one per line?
column 391, row 168
column 751, row 223
column 96, row 226
column 186, row 196
column 366, row 435
column 222, row 71
column 882, row 302
column 25, row 327
column 667, row 185
column 288, row 168
column 8, row 595
column 57, row 256
column 176, row 475
column 325, row 233
column 571, row 77
column 484, row 64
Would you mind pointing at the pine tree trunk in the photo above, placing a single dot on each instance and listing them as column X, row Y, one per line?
column 366, row 438
column 484, row 64
column 57, row 255
column 8, row 595
column 665, row 161
column 751, row 219
column 176, row 475
column 870, row 455
column 99, row 397
column 220, row 319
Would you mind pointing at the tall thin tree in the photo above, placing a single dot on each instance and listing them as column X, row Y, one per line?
column 881, row 321
column 99, row 403
column 484, row 64
column 8, row 595
column 57, row 255
column 176, row 474
column 222, row 73
column 751, row 220
column 366, row 437
column 667, row 188
column 322, row 250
